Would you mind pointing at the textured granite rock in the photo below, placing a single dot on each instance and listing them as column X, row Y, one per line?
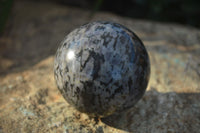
column 31, row 102
column 102, row 68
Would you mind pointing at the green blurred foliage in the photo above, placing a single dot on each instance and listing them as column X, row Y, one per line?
column 5, row 7
column 180, row 11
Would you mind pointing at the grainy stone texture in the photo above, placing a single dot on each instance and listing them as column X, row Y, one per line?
column 31, row 102
column 102, row 68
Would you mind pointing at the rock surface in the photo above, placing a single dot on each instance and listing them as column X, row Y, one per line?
column 31, row 102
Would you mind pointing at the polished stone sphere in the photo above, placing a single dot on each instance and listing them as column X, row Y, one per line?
column 102, row 68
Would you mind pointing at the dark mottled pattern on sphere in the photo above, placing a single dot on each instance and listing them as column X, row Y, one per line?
column 102, row 68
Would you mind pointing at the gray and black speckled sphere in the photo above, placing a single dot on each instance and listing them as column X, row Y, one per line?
column 102, row 68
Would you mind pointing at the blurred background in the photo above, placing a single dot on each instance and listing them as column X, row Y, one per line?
column 185, row 12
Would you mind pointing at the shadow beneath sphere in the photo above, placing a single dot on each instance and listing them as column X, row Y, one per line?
column 160, row 112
